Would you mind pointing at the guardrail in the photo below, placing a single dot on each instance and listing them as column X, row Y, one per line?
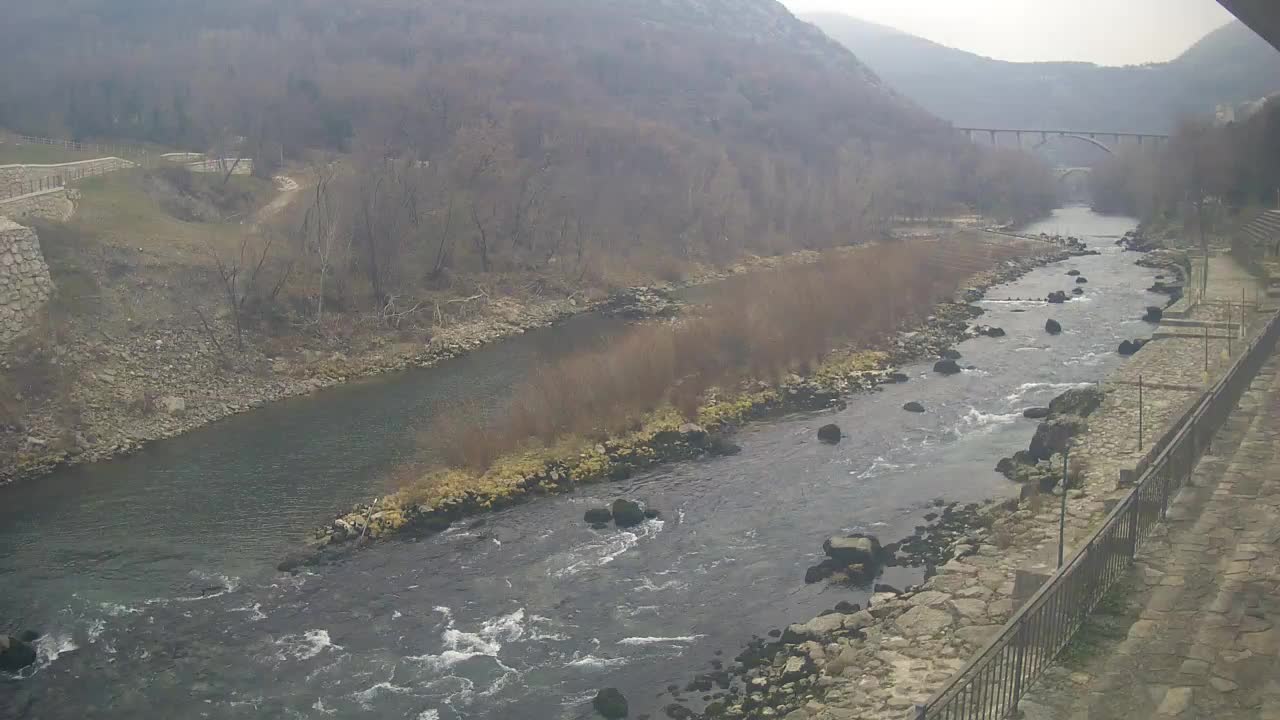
column 995, row 679
column 21, row 188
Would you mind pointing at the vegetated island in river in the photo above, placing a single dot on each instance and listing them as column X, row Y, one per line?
column 665, row 434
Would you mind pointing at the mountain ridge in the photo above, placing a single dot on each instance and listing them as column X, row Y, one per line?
column 973, row 90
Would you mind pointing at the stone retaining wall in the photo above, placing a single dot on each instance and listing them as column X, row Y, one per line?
column 15, row 174
column 51, row 204
column 24, row 279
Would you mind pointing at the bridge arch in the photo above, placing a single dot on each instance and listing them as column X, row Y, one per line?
column 1064, row 173
column 1085, row 138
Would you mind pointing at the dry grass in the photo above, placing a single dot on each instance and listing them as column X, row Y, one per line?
column 758, row 326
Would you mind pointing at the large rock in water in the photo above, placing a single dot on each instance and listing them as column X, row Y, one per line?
column 1082, row 280
column 1073, row 273
column 596, row 516
column 627, row 513
column 1080, row 402
column 913, row 407
column 861, row 549
column 15, row 654
column 1036, row 413
column 1053, row 327
column 1154, row 314
column 610, row 703
column 830, row 434
column 1130, row 347
column 1057, row 297
column 946, row 367
column 1053, row 436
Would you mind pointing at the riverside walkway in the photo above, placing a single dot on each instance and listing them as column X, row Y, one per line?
column 1192, row 632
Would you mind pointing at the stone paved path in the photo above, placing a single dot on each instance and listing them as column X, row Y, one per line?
column 1197, row 637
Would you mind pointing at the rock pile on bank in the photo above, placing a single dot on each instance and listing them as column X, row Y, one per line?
column 1040, row 465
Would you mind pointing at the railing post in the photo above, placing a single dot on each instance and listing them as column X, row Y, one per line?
column 1018, row 663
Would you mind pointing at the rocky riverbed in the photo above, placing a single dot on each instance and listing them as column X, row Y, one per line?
column 879, row 662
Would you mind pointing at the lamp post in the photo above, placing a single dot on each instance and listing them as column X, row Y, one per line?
column 1062, row 515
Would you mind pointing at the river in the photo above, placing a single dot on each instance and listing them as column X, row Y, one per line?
column 153, row 576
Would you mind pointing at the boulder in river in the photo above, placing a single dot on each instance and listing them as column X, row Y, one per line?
column 1080, row 402
column 863, row 549
column 1053, row 436
column 991, row 332
column 1082, row 280
column 627, row 513
column 1006, row 467
column 721, row 446
column 1036, row 413
column 897, row 377
column 693, row 433
column 1073, row 273
column 1057, row 297
column 596, row 516
column 1053, row 327
column 950, row 354
column 15, row 654
column 1130, row 347
column 946, row 367
column 295, row 560
column 1077, row 291
column 1154, row 314
column 913, row 407
column 830, row 434
column 610, row 703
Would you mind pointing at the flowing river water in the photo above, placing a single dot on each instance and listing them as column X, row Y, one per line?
column 152, row 577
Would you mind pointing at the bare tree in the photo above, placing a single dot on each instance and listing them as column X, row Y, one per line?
column 322, row 232
column 240, row 274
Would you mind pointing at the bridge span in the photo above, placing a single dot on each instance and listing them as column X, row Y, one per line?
column 1089, row 136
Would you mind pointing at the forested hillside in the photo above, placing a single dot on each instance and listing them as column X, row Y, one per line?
column 1229, row 66
column 678, row 128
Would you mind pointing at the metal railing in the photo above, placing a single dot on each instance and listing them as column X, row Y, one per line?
column 22, row 188
column 117, row 149
column 990, row 685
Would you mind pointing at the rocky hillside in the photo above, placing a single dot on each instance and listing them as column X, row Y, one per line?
column 1230, row 66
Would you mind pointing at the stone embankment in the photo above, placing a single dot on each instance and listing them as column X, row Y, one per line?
column 25, row 174
column 24, row 279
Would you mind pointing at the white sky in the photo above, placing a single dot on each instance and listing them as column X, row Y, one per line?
column 1107, row 32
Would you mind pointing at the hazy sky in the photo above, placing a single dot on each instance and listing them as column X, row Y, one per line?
column 1109, row 32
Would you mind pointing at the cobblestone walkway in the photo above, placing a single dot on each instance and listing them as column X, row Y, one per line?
column 1196, row 637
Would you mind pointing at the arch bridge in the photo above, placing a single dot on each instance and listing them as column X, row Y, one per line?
column 1093, row 137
